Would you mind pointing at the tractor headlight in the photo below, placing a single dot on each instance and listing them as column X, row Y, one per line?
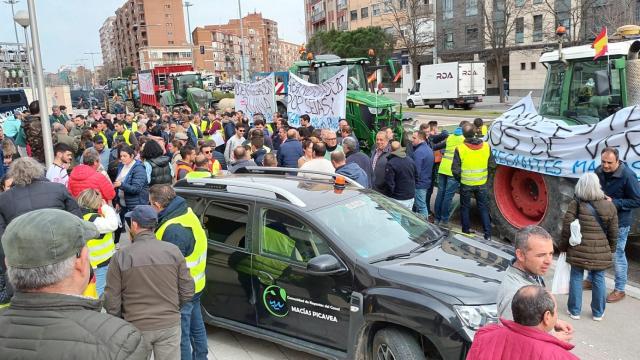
column 376, row 111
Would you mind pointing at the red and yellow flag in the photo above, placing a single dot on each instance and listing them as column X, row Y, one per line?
column 600, row 44
column 398, row 76
column 371, row 78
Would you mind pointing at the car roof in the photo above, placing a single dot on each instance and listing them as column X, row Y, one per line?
column 304, row 193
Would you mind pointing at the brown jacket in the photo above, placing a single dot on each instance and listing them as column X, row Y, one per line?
column 147, row 283
column 594, row 252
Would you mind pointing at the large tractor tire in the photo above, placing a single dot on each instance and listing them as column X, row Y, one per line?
column 130, row 106
column 518, row 198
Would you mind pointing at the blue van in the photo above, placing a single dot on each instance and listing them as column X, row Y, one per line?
column 10, row 101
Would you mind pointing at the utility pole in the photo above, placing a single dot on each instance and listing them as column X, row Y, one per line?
column 435, row 33
column 188, row 5
column 13, row 14
column 242, row 64
column 93, row 68
column 47, row 141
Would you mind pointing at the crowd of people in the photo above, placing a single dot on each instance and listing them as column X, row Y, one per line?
column 116, row 171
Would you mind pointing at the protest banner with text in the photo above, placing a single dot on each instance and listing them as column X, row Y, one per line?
column 256, row 98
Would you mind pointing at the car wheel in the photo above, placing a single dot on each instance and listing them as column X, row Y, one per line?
column 431, row 106
column 446, row 105
column 410, row 104
column 395, row 344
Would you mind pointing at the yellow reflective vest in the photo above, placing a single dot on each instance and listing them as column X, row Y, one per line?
column 447, row 158
column 126, row 134
column 104, row 139
column 198, row 175
column 204, row 125
column 197, row 260
column 100, row 249
column 474, row 164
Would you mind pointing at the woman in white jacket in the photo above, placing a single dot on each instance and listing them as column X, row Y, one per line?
column 104, row 217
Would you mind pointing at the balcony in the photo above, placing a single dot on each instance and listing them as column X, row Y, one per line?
column 318, row 16
column 342, row 5
column 424, row 10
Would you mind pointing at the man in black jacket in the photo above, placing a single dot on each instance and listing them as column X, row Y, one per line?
column 31, row 191
column 48, row 265
column 400, row 176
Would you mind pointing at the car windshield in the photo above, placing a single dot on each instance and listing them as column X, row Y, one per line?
column 356, row 79
column 374, row 225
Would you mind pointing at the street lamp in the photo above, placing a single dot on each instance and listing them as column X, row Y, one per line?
column 22, row 19
column 47, row 141
column 242, row 50
column 12, row 3
column 93, row 69
column 188, row 5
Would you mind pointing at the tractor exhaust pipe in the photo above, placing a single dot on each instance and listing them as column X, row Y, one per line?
column 633, row 74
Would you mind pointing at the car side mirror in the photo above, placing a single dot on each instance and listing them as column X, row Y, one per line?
column 411, row 92
column 603, row 87
column 324, row 264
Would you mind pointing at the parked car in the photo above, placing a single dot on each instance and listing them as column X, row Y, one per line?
column 339, row 272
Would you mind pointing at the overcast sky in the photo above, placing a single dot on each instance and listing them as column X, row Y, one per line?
column 69, row 28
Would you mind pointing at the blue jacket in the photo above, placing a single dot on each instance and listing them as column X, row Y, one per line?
column 289, row 153
column 135, row 186
column 363, row 162
column 177, row 234
column 354, row 172
column 193, row 137
column 400, row 176
column 623, row 188
column 423, row 158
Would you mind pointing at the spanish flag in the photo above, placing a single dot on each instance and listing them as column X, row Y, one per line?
column 600, row 44
column 398, row 76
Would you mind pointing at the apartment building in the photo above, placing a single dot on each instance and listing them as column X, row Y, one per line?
column 107, row 43
column 324, row 15
column 149, row 25
column 218, row 48
column 289, row 53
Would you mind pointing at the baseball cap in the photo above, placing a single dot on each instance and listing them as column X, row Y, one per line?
column 181, row 136
column 144, row 215
column 45, row 237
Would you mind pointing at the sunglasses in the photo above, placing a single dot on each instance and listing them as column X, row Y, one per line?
column 207, row 152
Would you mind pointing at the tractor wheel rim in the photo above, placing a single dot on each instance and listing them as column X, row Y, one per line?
column 521, row 196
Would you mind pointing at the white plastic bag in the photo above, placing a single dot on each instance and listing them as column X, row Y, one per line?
column 560, row 284
column 576, row 235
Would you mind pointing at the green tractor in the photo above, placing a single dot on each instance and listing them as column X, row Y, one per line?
column 187, row 90
column 122, row 95
column 366, row 112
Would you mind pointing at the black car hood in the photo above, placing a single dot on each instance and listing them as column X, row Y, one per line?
column 466, row 268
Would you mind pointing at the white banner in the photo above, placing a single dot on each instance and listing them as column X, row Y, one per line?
column 523, row 139
column 145, row 81
column 325, row 104
column 257, row 97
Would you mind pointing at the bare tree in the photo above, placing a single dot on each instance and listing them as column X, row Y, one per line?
column 500, row 18
column 577, row 16
column 412, row 22
column 612, row 14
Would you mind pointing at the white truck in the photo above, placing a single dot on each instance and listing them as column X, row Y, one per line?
column 454, row 84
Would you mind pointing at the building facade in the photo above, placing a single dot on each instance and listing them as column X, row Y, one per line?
column 150, row 24
column 218, row 48
column 325, row 15
column 14, row 68
column 288, row 54
column 108, row 45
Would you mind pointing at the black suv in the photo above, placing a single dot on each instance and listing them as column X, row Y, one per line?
column 339, row 272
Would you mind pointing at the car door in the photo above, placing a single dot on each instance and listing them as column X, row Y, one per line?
column 228, row 293
column 291, row 299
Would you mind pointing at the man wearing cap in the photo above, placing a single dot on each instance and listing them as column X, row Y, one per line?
column 48, row 265
column 147, row 284
column 180, row 226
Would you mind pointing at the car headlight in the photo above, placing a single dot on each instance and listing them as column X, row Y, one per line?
column 474, row 317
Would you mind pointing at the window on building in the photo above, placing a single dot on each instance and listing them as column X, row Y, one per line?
column 448, row 41
column 537, row 1
column 169, row 33
column 169, row 24
column 471, row 35
column 519, row 30
column 533, row 65
column 402, row 4
column 167, row 6
column 472, row 8
column 354, row 15
column 537, row 28
column 520, row 3
column 170, row 42
column 375, row 10
column 364, row 12
column 565, row 21
column 523, row 66
column 448, row 9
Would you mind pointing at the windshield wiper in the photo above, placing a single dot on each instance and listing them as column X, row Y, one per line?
column 426, row 243
column 413, row 251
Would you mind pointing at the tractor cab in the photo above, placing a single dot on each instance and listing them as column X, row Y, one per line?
column 579, row 90
column 367, row 112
